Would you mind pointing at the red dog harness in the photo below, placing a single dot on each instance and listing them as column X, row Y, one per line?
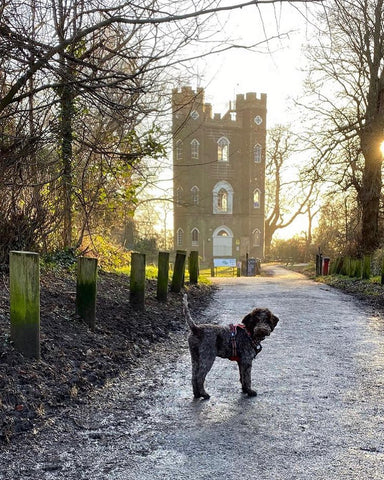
column 233, row 331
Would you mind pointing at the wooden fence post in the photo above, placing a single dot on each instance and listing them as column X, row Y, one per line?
column 137, row 284
column 162, row 276
column 347, row 266
column 178, row 273
column 212, row 268
column 338, row 265
column 24, row 272
column 352, row 267
column 194, row 267
column 86, row 288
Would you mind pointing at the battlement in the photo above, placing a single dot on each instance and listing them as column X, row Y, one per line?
column 188, row 99
column 187, row 90
column 187, row 96
column 251, row 100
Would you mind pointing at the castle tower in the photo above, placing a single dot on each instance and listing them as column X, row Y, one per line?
column 219, row 176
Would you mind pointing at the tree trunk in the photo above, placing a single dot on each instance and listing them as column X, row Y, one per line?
column 67, row 111
column 370, row 193
column 268, row 234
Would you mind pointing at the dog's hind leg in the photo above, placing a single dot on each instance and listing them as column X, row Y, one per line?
column 204, row 366
column 195, row 373
column 195, row 359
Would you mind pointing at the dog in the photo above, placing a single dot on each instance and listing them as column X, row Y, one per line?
column 240, row 343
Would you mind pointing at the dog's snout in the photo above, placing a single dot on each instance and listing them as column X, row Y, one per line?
column 262, row 331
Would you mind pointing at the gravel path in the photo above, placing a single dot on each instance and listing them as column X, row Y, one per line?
column 319, row 413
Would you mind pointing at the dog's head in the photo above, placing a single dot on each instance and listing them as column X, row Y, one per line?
column 260, row 323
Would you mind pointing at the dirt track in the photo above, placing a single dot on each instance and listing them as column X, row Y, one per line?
column 319, row 413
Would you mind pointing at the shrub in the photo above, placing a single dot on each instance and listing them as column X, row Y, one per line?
column 111, row 257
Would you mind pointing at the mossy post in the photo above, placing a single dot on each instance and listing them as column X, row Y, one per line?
column 339, row 265
column 162, row 276
column 347, row 266
column 137, row 284
column 332, row 266
column 86, row 288
column 178, row 273
column 366, row 274
column 194, row 267
column 352, row 267
column 24, row 272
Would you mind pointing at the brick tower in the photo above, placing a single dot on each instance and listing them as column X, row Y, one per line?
column 219, row 176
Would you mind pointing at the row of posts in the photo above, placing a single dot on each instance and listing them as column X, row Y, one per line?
column 349, row 266
column 355, row 267
column 24, row 271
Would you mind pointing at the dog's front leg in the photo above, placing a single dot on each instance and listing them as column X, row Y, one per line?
column 245, row 378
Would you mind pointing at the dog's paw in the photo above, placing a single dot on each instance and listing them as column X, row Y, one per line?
column 204, row 396
column 250, row 392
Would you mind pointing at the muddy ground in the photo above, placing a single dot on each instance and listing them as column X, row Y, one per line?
column 75, row 361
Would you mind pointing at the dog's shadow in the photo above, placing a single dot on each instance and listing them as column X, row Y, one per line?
column 223, row 412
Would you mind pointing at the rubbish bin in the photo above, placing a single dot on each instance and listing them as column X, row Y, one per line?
column 326, row 265
column 251, row 270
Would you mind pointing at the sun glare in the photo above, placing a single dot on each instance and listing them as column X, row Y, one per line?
column 382, row 148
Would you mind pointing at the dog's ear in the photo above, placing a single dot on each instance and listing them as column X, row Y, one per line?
column 275, row 320
column 267, row 315
column 249, row 322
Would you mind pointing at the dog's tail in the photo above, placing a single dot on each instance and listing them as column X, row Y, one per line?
column 191, row 324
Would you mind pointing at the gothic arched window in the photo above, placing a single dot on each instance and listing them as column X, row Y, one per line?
column 256, row 238
column 257, row 153
column 256, row 198
column 195, row 237
column 223, row 149
column 195, row 195
column 179, row 196
column 195, row 149
column 222, row 198
column 179, row 237
column 179, row 150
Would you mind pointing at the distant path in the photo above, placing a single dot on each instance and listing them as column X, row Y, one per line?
column 319, row 413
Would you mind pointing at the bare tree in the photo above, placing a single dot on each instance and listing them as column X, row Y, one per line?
column 289, row 193
column 347, row 88
column 337, row 232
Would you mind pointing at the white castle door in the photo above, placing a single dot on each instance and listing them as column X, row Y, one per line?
column 222, row 242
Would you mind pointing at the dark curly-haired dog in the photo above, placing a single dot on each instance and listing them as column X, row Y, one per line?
column 235, row 342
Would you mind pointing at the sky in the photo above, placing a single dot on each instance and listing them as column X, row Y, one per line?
column 275, row 67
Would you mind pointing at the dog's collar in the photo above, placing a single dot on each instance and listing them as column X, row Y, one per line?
column 233, row 329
